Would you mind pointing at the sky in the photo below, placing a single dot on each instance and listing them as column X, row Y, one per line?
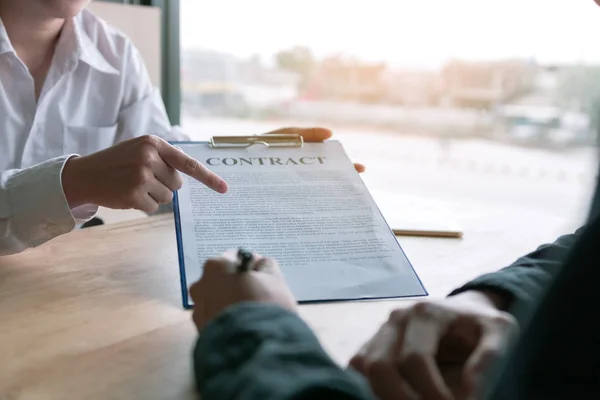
column 403, row 33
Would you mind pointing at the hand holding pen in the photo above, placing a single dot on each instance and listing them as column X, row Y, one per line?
column 245, row 261
column 238, row 276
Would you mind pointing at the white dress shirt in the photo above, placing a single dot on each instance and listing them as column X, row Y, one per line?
column 97, row 93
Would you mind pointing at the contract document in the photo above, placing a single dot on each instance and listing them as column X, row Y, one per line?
column 304, row 206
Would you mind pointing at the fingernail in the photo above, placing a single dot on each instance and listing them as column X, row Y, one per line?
column 222, row 187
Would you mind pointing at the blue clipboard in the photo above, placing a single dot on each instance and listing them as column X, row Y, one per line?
column 270, row 141
column 180, row 257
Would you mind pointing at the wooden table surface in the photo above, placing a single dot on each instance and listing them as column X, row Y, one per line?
column 96, row 314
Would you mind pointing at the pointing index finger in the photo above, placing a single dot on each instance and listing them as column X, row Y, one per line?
column 180, row 161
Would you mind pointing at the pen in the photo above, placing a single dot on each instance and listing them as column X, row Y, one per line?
column 244, row 259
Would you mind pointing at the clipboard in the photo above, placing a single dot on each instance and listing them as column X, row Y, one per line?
column 278, row 141
column 267, row 140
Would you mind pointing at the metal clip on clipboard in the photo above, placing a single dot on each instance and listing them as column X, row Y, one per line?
column 275, row 140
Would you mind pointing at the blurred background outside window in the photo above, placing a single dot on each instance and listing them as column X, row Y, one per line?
column 487, row 106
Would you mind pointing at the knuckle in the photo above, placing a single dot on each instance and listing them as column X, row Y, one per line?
column 147, row 155
column 211, row 263
column 489, row 354
column 377, row 367
column 214, row 265
column 147, row 149
column 191, row 164
column 131, row 198
column 152, row 208
column 194, row 290
column 358, row 362
column 422, row 309
column 143, row 176
column 412, row 357
column 130, row 204
column 177, row 181
column 166, row 197
column 398, row 315
column 149, row 140
column 212, row 179
column 504, row 321
column 483, row 361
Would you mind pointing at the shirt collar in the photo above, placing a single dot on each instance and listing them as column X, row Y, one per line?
column 74, row 42
column 85, row 48
column 5, row 44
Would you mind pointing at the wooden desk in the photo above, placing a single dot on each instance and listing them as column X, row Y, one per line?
column 97, row 314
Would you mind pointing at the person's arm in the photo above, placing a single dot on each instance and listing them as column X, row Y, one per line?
column 260, row 351
column 33, row 207
column 525, row 279
column 142, row 108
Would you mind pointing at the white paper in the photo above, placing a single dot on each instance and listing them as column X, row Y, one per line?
column 307, row 208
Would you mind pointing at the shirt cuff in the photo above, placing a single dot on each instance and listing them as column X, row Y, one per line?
column 494, row 283
column 39, row 207
column 84, row 213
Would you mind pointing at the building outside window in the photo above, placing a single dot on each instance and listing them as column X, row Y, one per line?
column 481, row 105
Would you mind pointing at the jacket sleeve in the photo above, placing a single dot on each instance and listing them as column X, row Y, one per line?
column 33, row 207
column 525, row 280
column 256, row 351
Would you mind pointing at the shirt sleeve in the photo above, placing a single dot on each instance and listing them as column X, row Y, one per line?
column 525, row 280
column 142, row 109
column 257, row 351
column 33, row 207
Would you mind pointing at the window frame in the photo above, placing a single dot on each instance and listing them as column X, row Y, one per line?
column 170, row 53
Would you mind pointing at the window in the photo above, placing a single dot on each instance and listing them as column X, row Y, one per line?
column 489, row 106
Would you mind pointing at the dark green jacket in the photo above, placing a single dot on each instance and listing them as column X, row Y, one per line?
column 524, row 281
column 558, row 354
column 256, row 351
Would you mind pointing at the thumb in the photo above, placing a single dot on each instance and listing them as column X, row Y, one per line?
column 360, row 168
column 490, row 348
column 268, row 265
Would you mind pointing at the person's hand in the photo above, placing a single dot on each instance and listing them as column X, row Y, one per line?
column 139, row 173
column 222, row 286
column 403, row 359
column 313, row 135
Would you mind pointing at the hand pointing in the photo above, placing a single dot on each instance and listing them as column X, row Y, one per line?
column 139, row 173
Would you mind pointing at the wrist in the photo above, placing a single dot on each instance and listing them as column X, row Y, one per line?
column 498, row 299
column 72, row 184
column 490, row 297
